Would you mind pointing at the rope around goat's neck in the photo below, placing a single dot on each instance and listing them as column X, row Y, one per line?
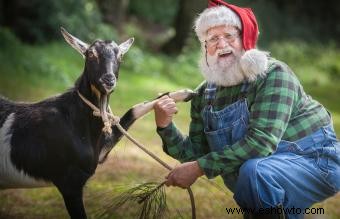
column 114, row 120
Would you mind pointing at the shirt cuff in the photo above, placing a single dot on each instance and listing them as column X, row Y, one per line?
column 214, row 164
column 209, row 167
column 167, row 134
column 165, row 131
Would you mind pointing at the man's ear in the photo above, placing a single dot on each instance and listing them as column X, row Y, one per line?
column 76, row 43
column 124, row 47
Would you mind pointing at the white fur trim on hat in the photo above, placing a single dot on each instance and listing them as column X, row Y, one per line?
column 254, row 63
column 215, row 16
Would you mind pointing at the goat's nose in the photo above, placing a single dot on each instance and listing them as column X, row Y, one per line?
column 109, row 79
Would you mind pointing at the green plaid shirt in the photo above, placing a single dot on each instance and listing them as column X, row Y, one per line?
column 279, row 109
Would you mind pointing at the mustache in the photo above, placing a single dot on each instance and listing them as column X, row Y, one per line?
column 219, row 52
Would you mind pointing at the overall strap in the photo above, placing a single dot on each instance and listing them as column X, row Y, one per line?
column 244, row 89
column 210, row 93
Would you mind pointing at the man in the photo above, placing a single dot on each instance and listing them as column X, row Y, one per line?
column 251, row 122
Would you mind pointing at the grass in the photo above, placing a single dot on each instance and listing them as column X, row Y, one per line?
column 31, row 73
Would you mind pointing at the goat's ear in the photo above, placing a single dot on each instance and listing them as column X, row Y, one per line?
column 124, row 47
column 76, row 43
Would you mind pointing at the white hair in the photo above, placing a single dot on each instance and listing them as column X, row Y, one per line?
column 215, row 16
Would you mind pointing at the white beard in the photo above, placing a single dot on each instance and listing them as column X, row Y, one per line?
column 225, row 72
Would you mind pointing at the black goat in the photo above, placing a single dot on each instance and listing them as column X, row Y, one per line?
column 58, row 141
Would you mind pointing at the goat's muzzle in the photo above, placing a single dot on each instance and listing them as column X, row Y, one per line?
column 108, row 81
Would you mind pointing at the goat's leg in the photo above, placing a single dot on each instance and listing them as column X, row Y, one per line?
column 74, row 204
column 139, row 110
column 109, row 142
column 71, row 187
column 125, row 121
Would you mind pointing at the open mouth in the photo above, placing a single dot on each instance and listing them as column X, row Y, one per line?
column 109, row 87
column 224, row 54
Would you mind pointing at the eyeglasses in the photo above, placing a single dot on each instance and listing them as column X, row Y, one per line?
column 227, row 37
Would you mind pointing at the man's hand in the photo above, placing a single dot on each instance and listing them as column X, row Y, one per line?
column 164, row 108
column 184, row 175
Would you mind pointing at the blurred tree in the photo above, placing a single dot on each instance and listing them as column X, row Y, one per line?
column 1, row 12
column 25, row 17
column 160, row 12
column 113, row 11
column 183, row 24
column 322, row 17
column 39, row 21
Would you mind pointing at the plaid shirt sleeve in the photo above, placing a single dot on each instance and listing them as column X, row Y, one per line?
column 269, row 116
column 274, row 101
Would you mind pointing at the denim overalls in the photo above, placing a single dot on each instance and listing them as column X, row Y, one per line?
column 225, row 127
column 297, row 174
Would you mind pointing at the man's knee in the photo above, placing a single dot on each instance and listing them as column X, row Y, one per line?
column 246, row 187
column 248, row 170
column 257, row 185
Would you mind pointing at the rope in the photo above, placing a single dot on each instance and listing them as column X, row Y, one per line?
column 114, row 120
column 96, row 112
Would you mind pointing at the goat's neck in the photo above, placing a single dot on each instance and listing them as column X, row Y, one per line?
column 84, row 87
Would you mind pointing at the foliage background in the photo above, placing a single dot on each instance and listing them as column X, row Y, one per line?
column 36, row 63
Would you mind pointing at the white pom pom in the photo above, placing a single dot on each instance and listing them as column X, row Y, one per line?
column 254, row 63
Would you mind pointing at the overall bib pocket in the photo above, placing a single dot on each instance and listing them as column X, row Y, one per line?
column 222, row 138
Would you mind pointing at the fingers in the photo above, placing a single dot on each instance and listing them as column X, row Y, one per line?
column 169, row 180
column 166, row 104
column 184, row 175
column 165, row 108
column 172, row 179
column 172, row 182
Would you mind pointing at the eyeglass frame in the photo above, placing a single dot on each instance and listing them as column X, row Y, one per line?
column 227, row 37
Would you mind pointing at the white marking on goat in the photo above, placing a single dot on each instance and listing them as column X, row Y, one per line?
column 139, row 110
column 10, row 176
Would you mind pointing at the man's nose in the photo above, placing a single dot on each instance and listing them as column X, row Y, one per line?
column 221, row 43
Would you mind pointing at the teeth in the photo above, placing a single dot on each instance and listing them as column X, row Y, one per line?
column 224, row 52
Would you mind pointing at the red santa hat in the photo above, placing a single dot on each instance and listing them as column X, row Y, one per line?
column 222, row 13
column 246, row 16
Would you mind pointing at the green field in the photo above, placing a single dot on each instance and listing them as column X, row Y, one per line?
column 31, row 73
